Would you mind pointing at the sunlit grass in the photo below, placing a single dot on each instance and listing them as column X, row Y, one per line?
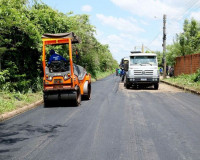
column 101, row 75
column 185, row 81
column 12, row 101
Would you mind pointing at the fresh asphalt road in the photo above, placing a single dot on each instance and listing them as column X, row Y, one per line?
column 116, row 124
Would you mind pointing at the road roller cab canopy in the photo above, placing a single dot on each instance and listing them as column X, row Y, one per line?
column 59, row 38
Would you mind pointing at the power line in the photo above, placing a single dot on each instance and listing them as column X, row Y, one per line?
column 190, row 5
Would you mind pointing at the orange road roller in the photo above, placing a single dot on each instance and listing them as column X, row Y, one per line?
column 64, row 80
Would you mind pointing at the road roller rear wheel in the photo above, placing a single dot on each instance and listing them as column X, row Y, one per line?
column 88, row 95
column 46, row 104
column 78, row 98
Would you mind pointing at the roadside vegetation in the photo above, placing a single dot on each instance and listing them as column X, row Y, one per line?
column 12, row 101
column 185, row 43
column 191, row 81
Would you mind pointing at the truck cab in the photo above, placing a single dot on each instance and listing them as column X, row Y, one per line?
column 142, row 70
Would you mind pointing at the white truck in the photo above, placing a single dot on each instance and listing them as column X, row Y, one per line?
column 142, row 70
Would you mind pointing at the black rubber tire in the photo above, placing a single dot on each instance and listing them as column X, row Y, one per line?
column 127, row 86
column 156, row 86
column 78, row 98
column 46, row 104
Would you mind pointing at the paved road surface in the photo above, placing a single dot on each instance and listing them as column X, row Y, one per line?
column 116, row 124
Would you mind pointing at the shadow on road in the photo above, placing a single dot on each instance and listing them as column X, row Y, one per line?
column 21, row 132
column 141, row 88
column 54, row 104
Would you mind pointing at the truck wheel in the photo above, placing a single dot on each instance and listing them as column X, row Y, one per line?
column 125, row 81
column 127, row 86
column 156, row 86
column 78, row 98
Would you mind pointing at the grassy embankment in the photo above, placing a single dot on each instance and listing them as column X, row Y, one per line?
column 12, row 101
column 101, row 75
column 187, row 81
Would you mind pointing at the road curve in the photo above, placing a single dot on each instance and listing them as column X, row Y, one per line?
column 116, row 124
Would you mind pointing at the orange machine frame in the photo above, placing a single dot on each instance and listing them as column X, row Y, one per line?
column 74, row 79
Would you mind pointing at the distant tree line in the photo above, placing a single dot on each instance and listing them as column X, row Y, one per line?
column 22, row 24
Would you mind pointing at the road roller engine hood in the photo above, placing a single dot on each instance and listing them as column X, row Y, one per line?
column 79, row 71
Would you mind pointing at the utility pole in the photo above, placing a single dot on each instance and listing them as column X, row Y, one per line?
column 164, row 45
column 142, row 48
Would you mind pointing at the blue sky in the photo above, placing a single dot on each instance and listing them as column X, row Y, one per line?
column 127, row 24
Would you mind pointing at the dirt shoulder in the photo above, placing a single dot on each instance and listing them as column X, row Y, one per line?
column 163, row 88
column 187, row 87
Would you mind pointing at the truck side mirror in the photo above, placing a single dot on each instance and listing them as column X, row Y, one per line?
column 126, row 66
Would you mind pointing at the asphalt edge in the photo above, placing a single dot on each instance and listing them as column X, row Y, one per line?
column 181, row 87
column 16, row 112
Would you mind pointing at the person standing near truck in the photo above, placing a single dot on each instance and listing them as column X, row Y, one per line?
column 116, row 71
column 161, row 71
column 119, row 71
column 122, row 74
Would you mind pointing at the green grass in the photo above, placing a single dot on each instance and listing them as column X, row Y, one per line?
column 101, row 75
column 186, row 81
column 12, row 101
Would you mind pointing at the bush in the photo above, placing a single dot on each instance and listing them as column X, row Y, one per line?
column 197, row 76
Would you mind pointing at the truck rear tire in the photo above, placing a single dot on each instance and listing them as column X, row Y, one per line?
column 156, row 86
column 127, row 86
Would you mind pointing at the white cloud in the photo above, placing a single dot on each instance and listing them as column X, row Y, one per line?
column 86, row 8
column 149, row 8
column 195, row 15
column 120, row 45
column 120, row 24
column 144, row 22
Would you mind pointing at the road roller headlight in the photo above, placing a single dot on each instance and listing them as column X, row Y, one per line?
column 65, row 77
column 50, row 78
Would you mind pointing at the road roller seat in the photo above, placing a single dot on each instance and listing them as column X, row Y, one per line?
column 58, row 66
